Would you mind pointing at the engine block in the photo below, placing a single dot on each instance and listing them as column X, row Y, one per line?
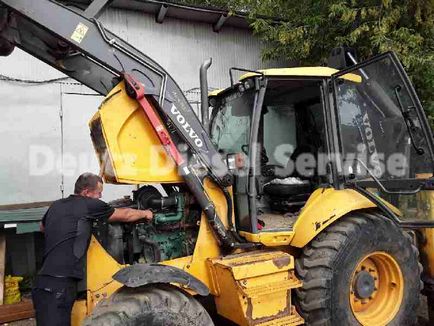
column 171, row 234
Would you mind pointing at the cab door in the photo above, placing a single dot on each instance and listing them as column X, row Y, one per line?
column 384, row 140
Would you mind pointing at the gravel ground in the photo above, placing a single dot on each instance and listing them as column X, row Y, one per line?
column 26, row 322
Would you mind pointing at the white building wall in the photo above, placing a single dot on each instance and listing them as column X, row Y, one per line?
column 43, row 127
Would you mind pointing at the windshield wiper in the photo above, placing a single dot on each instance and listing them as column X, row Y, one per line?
column 411, row 127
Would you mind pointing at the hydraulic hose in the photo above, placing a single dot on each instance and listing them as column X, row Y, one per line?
column 195, row 185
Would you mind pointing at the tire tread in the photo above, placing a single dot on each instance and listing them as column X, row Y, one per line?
column 313, row 266
column 126, row 306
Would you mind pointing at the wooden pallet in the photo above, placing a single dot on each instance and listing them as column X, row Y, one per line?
column 17, row 311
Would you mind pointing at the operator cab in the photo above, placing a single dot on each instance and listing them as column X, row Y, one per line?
column 287, row 132
column 291, row 133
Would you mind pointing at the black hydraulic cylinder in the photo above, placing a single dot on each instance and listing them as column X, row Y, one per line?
column 222, row 235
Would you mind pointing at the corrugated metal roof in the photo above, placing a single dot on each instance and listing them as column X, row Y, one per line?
column 179, row 11
column 196, row 5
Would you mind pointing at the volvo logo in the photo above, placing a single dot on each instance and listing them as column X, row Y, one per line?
column 372, row 147
column 186, row 126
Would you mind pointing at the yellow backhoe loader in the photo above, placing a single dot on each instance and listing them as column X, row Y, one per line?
column 304, row 196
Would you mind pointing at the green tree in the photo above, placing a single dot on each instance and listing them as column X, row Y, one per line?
column 306, row 31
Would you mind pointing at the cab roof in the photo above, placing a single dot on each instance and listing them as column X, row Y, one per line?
column 295, row 72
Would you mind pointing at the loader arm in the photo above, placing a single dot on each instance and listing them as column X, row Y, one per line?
column 80, row 47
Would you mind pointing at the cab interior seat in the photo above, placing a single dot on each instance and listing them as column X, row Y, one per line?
column 286, row 195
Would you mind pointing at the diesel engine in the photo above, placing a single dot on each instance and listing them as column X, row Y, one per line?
column 171, row 234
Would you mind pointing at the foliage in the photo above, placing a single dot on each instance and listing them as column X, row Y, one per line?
column 306, row 31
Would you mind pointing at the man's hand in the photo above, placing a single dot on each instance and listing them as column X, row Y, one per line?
column 147, row 214
column 130, row 215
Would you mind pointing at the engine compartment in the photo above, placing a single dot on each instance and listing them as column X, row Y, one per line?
column 171, row 234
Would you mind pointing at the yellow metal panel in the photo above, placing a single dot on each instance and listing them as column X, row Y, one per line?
column 292, row 320
column 100, row 269
column 428, row 251
column 271, row 262
column 303, row 71
column 269, row 239
column 134, row 150
column 255, row 288
column 425, row 211
column 100, row 285
column 215, row 92
column 79, row 312
column 324, row 207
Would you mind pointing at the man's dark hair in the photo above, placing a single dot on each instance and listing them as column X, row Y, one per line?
column 87, row 181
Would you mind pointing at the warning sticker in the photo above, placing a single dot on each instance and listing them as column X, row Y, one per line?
column 79, row 33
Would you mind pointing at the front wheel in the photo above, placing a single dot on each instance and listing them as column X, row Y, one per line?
column 156, row 305
column 362, row 270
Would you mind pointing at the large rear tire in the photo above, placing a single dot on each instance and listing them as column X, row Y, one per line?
column 160, row 305
column 362, row 270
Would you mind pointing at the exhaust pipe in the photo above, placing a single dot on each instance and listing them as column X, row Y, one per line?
column 204, row 93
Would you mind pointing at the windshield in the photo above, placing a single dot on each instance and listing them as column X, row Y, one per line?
column 230, row 130
column 381, row 134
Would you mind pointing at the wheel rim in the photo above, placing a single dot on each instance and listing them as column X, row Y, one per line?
column 376, row 289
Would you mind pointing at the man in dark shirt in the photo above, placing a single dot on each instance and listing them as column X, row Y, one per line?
column 67, row 226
